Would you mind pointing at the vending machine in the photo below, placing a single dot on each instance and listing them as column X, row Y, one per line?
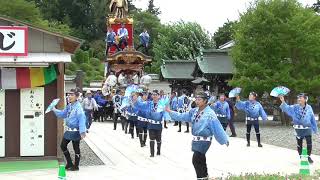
column 2, row 123
column 32, row 122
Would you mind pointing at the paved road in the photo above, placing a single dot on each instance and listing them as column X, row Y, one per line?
column 125, row 159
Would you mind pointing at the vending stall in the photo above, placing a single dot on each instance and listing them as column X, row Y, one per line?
column 31, row 75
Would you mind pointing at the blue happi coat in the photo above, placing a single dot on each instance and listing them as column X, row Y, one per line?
column 148, row 110
column 117, row 102
column 144, row 38
column 204, row 124
column 100, row 100
column 132, row 111
column 141, row 114
column 253, row 109
column 110, row 37
column 301, row 116
column 174, row 103
column 74, row 118
column 182, row 105
column 222, row 108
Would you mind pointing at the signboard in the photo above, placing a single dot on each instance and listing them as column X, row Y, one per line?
column 96, row 84
column 13, row 41
column 32, row 122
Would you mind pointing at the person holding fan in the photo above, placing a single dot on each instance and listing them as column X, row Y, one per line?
column 253, row 110
column 205, row 126
column 303, row 120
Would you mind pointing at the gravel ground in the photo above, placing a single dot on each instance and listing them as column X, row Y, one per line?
column 88, row 157
column 273, row 133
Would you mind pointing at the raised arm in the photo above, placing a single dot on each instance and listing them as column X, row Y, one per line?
column 166, row 116
column 289, row 109
column 240, row 105
column 262, row 113
column 185, row 117
column 285, row 107
column 61, row 113
column 218, row 132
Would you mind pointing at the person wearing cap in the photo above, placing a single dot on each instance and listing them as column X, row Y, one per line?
column 221, row 108
column 253, row 110
column 89, row 105
column 123, row 36
column 154, row 118
column 304, row 121
column 142, row 124
column 205, row 126
column 183, row 104
column 75, row 122
column 117, row 101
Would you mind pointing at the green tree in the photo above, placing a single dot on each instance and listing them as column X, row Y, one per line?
column 153, row 9
column 316, row 6
column 22, row 10
column 277, row 43
column 85, row 17
column 50, row 9
column 224, row 33
column 98, row 48
column 132, row 8
column 28, row 12
column 180, row 40
column 92, row 67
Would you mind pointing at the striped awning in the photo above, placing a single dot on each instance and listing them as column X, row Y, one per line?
column 27, row 77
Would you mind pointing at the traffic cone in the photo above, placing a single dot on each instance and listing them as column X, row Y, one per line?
column 304, row 164
column 62, row 173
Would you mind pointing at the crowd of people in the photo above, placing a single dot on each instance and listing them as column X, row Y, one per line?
column 208, row 117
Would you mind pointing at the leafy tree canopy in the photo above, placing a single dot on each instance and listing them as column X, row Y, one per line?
column 277, row 43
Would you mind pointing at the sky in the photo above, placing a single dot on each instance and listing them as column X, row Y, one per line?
column 210, row 14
